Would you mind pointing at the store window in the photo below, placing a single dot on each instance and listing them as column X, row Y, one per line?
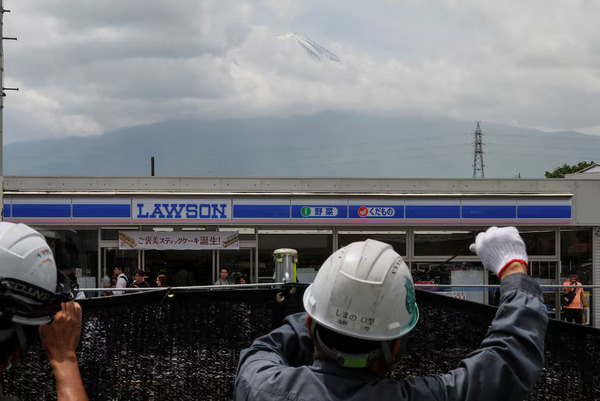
column 76, row 249
column 313, row 246
column 544, row 273
column 239, row 262
column 539, row 242
column 182, row 267
column 113, row 257
column 450, row 277
column 397, row 239
column 443, row 243
column 576, row 254
column 493, row 292
column 576, row 257
column 111, row 234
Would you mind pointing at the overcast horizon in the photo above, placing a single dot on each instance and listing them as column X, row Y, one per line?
column 86, row 68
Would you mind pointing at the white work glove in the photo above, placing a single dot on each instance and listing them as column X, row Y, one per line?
column 499, row 247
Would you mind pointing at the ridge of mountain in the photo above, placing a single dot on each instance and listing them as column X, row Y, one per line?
column 327, row 144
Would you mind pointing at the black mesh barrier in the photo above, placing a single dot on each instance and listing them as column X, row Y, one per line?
column 449, row 329
column 185, row 345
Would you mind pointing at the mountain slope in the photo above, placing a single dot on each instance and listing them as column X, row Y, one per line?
column 328, row 144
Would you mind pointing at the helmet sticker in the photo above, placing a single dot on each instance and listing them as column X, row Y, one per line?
column 31, row 291
column 411, row 299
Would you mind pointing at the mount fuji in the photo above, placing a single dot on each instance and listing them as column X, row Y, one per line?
column 313, row 49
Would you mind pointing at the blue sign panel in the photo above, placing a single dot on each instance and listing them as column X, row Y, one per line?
column 433, row 212
column 261, row 211
column 489, row 211
column 102, row 210
column 335, row 211
column 41, row 210
column 544, row 212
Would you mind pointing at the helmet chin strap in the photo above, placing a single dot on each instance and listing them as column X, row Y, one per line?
column 5, row 335
column 349, row 360
column 23, row 343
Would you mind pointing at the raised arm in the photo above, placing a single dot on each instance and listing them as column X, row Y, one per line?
column 510, row 358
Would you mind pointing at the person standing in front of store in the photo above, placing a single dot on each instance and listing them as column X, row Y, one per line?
column 574, row 311
column 121, row 280
column 162, row 281
column 223, row 277
column 139, row 279
column 112, row 284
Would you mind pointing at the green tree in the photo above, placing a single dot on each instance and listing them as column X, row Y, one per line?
column 560, row 172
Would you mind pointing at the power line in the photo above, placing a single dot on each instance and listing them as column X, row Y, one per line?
column 543, row 155
column 541, row 147
column 592, row 138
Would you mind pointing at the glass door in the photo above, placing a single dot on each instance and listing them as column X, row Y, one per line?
column 113, row 257
column 182, row 268
column 240, row 264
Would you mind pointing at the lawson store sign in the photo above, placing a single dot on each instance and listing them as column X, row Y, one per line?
column 268, row 211
column 183, row 210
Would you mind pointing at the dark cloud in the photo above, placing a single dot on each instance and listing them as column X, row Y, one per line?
column 85, row 67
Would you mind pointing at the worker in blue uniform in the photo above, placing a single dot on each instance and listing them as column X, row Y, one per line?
column 359, row 311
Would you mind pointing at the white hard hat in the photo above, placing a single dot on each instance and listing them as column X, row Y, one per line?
column 364, row 290
column 31, row 289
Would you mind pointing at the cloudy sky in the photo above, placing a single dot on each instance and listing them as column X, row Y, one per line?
column 85, row 67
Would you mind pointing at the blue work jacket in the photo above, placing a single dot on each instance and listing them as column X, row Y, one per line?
column 279, row 366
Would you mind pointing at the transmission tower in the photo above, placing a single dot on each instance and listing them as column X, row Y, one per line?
column 478, row 154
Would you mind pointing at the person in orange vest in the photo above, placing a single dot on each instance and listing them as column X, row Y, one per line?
column 574, row 311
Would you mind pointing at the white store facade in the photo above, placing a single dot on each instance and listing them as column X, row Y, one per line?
column 189, row 227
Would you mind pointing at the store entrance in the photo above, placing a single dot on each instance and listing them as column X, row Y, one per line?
column 115, row 257
column 240, row 264
column 182, row 268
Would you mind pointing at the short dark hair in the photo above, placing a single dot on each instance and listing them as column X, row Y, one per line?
column 224, row 268
column 139, row 272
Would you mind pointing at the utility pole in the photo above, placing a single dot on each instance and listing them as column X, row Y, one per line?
column 478, row 154
column 2, row 95
column 1, row 107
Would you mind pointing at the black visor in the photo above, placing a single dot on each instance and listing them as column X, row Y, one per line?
column 13, row 295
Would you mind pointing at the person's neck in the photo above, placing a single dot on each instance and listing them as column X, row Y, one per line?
column 377, row 366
